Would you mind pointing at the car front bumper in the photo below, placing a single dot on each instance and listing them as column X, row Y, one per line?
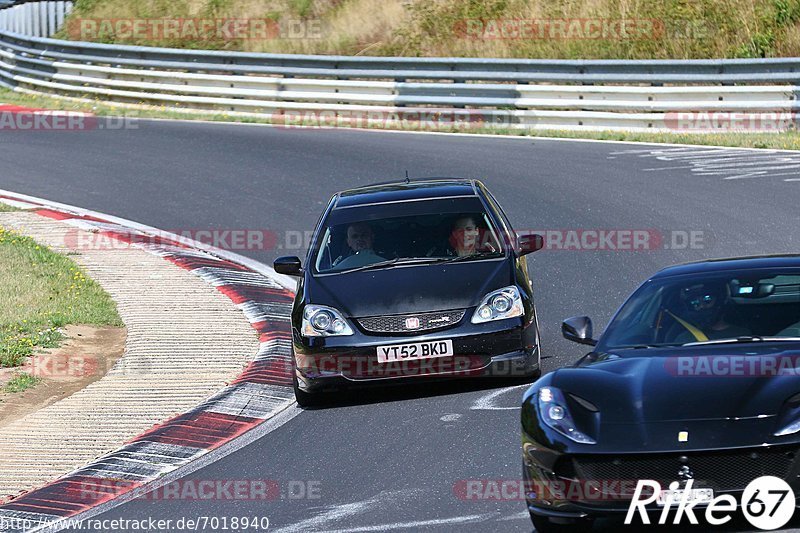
column 505, row 348
column 567, row 486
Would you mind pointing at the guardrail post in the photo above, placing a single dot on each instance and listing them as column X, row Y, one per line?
column 61, row 11
column 28, row 18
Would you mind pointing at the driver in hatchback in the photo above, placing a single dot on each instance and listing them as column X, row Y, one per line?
column 360, row 240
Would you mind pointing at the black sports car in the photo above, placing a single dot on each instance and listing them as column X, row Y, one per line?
column 415, row 279
column 694, row 385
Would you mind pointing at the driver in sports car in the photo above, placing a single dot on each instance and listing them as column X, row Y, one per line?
column 702, row 315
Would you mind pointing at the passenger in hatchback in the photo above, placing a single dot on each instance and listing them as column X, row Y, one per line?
column 464, row 236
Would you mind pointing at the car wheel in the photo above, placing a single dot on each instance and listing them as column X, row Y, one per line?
column 542, row 524
column 307, row 399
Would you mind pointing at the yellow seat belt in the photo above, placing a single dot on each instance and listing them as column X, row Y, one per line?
column 698, row 335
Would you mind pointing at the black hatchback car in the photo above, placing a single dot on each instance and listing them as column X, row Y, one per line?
column 414, row 279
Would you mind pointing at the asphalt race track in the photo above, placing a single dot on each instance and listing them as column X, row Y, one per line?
column 392, row 460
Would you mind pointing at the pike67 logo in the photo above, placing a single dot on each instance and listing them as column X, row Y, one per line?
column 767, row 502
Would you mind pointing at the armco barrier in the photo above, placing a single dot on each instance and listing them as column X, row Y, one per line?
column 509, row 93
column 37, row 19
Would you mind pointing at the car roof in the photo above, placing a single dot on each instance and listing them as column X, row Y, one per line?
column 730, row 264
column 407, row 190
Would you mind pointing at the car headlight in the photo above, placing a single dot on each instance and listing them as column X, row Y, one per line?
column 503, row 303
column 789, row 417
column 322, row 321
column 554, row 412
column 792, row 428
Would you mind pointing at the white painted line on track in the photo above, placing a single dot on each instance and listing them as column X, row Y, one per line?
column 458, row 520
column 487, row 401
column 337, row 512
column 727, row 164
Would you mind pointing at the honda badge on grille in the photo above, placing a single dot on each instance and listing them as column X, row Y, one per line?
column 412, row 322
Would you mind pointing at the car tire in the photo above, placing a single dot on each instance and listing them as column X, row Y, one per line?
column 542, row 524
column 307, row 399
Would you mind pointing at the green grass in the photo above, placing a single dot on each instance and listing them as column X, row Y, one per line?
column 5, row 208
column 680, row 28
column 20, row 382
column 789, row 140
column 100, row 108
column 42, row 291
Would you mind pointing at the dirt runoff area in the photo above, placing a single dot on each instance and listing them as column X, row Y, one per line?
column 87, row 353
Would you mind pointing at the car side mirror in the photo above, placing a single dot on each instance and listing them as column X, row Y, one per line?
column 578, row 329
column 530, row 243
column 289, row 265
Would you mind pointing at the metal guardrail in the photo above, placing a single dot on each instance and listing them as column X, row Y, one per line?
column 37, row 19
column 513, row 93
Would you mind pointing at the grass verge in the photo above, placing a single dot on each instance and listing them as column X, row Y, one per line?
column 20, row 382
column 41, row 292
column 628, row 29
column 789, row 140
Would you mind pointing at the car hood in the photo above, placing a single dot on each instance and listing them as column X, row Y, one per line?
column 684, row 385
column 410, row 289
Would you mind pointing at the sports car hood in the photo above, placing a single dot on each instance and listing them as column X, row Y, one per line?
column 410, row 289
column 685, row 384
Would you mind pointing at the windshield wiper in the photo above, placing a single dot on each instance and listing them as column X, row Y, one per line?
column 481, row 255
column 743, row 339
column 393, row 262
column 646, row 346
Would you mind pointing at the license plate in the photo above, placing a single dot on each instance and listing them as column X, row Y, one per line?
column 694, row 495
column 416, row 350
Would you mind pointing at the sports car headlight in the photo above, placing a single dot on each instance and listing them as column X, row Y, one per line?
column 503, row 303
column 554, row 412
column 792, row 428
column 322, row 321
column 789, row 417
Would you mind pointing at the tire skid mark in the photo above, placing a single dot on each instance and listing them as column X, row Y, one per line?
column 727, row 163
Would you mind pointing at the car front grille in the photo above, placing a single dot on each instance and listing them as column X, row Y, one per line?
column 398, row 323
column 721, row 471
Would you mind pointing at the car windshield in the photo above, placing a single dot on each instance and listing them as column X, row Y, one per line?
column 714, row 308
column 382, row 236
